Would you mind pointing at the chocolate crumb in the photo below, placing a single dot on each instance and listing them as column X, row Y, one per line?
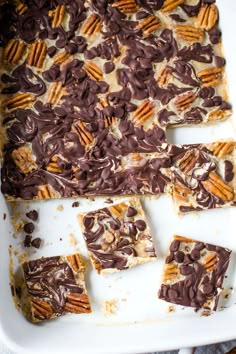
column 36, row 242
column 4, row 216
column 75, row 205
column 12, row 290
column 109, row 201
column 33, row 215
column 27, row 241
column 29, row 228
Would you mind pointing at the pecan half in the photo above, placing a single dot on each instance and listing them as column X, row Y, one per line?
column 13, row 52
column 57, row 15
column 218, row 114
column 21, row 8
column 53, row 165
column 108, row 121
column 97, row 265
column 126, row 6
column 85, row 137
column 162, row 80
column 207, row 16
column 118, row 209
column 143, row 112
column 55, row 93
column 37, row 53
column 210, row 262
column 45, row 192
column 170, row 272
column 221, row 149
column 189, row 33
column 93, row 71
column 61, row 58
column 171, row 5
column 210, row 77
column 181, row 193
column 75, row 262
column 20, row 100
column 23, row 159
column 77, row 303
column 92, row 25
column 184, row 101
column 149, row 24
column 216, row 186
column 183, row 239
column 188, row 161
column 41, row 310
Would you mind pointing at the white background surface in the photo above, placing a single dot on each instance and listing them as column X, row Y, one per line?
column 140, row 323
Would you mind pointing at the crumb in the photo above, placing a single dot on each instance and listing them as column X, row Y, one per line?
column 226, row 292
column 109, row 201
column 226, row 276
column 196, row 310
column 22, row 258
column 170, row 309
column 109, row 307
column 17, row 225
column 75, row 205
column 60, row 207
column 123, row 299
column 60, row 238
column 4, row 216
column 55, row 217
column 206, row 313
column 72, row 239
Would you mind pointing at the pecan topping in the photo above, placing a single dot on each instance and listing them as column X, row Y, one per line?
column 57, row 15
column 77, row 303
column 55, row 93
column 221, row 149
column 45, row 192
column 171, row 5
column 184, row 101
column 37, row 53
column 216, row 186
column 53, row 165
column 181, row 193
column 143, row 112
column 207, row 16
column 85, row 137
column 188, row 161
column 96, row 263
column 92, row 25
column 75, row 262
column 126, row 6
column 162, row 80
column 41, row 310
column 21, row 8
column 189, row 33
column 183, row 239
column 170, row 272
column 93, row 71
column 13, row 52
column 210, row 262
column 61, row 58
column 23, row 159
column 218, row 114
column 210, row 77
column 149, row 24
column 117, row 209
column 20, row 100
column 108, row 121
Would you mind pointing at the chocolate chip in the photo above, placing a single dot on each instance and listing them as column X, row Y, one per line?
column 219, row 61
column 33, row 215
column 186, row 270
column 140, row 224
column 27, row 240
column 195, row 255
column 36, row 242
column 174, row 246
column 29, row 228
column 131, row 212
column 199, row 246
column 75, row 204
column 210, row 247
column 52, row 51
column 229, row 171
column 108, row 67
column 170, row 257
column 179, row 256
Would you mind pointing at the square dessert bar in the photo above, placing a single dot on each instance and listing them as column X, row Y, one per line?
column 194, row 273
column 117, row 237
column 56, row 287
column 204, row 175
column 89, row 81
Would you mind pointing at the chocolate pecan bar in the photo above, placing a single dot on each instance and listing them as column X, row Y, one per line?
column 95, row 80
column 117, row 237
column 203, row 175
column 193, row 273
column 56, row 287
